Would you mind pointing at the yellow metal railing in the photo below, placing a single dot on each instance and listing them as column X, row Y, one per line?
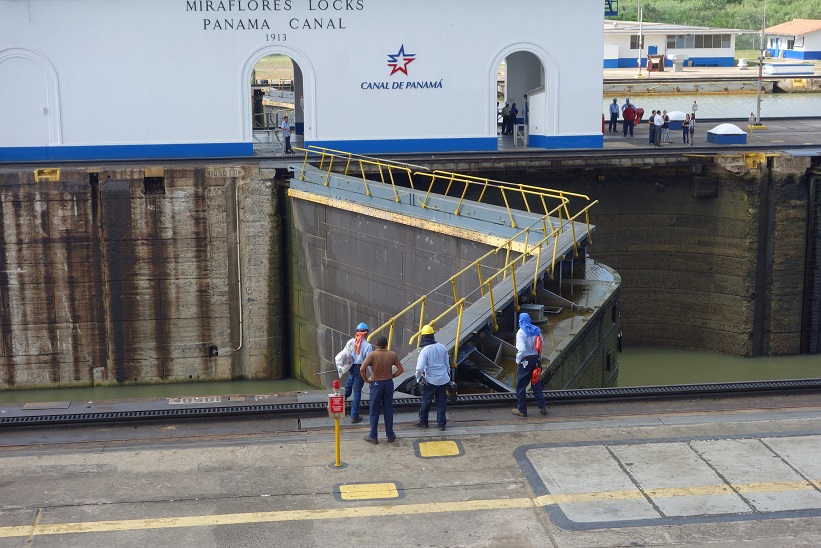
column 540, row 239
column 388, row 170
column 486, row 285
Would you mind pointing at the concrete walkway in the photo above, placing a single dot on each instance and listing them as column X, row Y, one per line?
column 728, row 472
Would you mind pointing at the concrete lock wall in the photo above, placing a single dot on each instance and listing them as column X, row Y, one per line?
column 347, row 268
column 711, row 256
column 130, row 276
column 97, row 79
column 105, row 279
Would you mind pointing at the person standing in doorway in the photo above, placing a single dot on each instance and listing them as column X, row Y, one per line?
column 614, row 116
column 381, row 363
column 528, row 360
column 361, row 348
column 286, row 132
column 432, row 365
column 505, row 118
column 511, row 124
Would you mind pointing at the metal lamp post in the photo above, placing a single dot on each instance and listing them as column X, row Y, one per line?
column 641, row 38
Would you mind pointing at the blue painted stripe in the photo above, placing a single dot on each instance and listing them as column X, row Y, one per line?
column 566, row 141
column 398, row 146
column 124, row 152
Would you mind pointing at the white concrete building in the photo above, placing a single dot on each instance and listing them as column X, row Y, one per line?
column 703, row 46
column 797, row 39
column 97, row 79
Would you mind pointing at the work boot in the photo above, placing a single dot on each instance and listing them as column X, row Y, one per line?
column 374, row 441
column 519, row 413
column 392, row 439
column 419, row 424
column 355, row 420
column 543, row 410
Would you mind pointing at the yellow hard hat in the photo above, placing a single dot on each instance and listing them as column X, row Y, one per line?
column 427, row 330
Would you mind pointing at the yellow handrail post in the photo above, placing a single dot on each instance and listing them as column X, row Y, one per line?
column 538, row 264
column 450, row 183
column 484, row 188
column 461, row 199
column 479, row 274
column 330, row 166
column 509, row 212
column 392, row 322
column 492, row 307
column 515, row 290
column 458, row 333
column 507, row 259
column 524, row 198
column 304, row 164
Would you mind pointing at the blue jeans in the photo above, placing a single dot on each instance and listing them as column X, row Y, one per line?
column 524, row 376
column 429, row 391
column 382, row 400
column 354, row 386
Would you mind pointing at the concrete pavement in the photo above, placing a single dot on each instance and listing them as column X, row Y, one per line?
column 729, row 472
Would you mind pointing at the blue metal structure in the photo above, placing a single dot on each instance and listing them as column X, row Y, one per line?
column 611, row 8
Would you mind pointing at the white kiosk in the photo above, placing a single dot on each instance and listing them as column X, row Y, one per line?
column 142, row 79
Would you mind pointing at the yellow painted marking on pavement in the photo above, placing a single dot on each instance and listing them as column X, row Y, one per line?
column 395, row 510
column 428, row 449
column 268, row 517
column 369, row 491
column 775, row 486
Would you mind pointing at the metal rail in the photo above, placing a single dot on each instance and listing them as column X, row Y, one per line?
column 320, row 408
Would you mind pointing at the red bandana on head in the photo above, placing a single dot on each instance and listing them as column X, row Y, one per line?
column 357, row 343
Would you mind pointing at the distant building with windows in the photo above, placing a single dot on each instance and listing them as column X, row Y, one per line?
column 703, row 46
column 796, row 39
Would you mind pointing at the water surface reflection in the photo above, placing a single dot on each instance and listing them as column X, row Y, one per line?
column 663, row 366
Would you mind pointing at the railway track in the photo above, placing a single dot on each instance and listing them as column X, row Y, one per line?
column 307, row 409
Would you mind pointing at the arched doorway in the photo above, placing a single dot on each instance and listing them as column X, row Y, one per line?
column 29, row 105
column 278, row 81
column 527, row 76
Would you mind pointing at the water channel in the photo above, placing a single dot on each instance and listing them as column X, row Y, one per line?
column 727, row 106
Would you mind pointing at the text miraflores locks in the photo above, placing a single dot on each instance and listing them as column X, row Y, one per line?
column 261, row 6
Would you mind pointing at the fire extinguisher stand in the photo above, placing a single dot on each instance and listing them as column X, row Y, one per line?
column 336, row 410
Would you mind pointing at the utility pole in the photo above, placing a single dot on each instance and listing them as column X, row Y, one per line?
column 757, row 124
column 641, row 39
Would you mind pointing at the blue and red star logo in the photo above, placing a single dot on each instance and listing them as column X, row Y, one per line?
column 400, row 66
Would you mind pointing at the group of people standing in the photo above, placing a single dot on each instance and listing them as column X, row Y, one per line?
column 659, row 122
column 509, row 114
column 378, row 367
column 660, row 128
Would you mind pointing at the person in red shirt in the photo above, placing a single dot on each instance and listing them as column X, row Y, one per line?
column 629, row 115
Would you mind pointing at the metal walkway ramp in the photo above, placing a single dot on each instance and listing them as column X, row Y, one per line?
column 527, row 229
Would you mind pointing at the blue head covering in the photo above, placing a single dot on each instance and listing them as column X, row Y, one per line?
column 526, row 325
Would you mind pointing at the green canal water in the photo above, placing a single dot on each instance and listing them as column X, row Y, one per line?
column 637, row 367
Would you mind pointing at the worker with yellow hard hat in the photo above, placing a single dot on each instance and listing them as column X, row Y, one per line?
column 433, row 373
